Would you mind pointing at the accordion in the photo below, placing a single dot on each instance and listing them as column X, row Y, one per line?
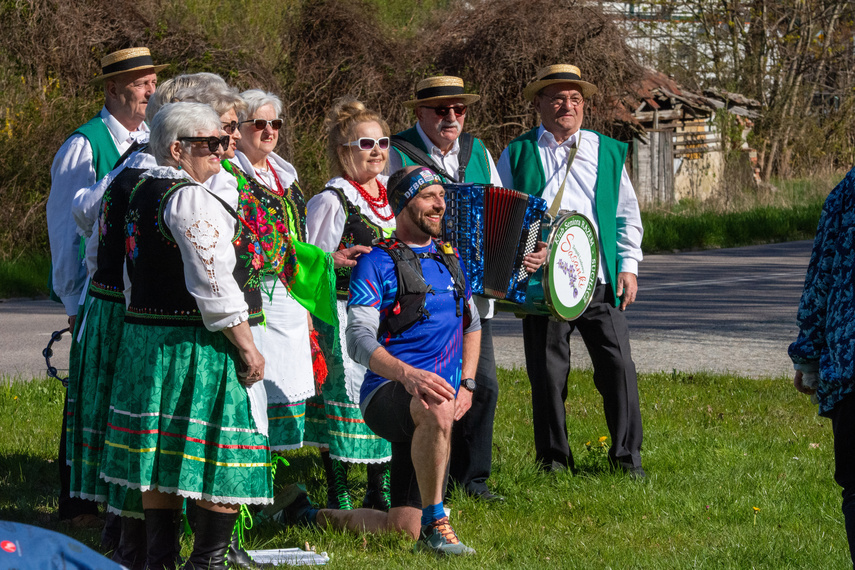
column 493, row 229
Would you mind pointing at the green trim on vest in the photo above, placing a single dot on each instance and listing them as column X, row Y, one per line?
column 478, row 169
column 529, row 177
column 104, row 151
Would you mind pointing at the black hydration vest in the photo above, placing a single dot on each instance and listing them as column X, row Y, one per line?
column 409, row 307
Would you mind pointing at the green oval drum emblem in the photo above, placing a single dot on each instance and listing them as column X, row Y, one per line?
column 572, row 267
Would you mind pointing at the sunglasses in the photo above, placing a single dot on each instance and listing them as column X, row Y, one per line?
column 261, row 124
column 230, row 127
column 367, row 143
column 459, row 110
column 213, row 142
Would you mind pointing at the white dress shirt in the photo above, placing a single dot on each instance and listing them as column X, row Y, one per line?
column 73, row 170
column 579, row 191
column 450, row 162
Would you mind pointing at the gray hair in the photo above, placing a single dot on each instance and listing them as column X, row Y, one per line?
column 176, row 120
column 222, row 98
column 255, row 100
column 166, row 92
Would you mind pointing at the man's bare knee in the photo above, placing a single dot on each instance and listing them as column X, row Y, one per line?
column 407, row 519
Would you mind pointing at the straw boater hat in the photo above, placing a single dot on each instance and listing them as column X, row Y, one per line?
column 435, row 89
column 125, row 60
column 561, row 73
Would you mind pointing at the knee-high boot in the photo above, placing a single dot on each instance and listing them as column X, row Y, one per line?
column 338, row 495
column 131, row 551
column 213, row 536
column 162, row 527
column 377, row 494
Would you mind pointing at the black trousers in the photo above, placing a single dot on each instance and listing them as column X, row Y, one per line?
column 843, row 426
column 547, row 354
column 472, row 435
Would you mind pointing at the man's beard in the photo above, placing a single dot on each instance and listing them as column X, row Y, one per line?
column 428, row 227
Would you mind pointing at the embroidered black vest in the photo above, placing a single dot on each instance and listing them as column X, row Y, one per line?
column 291, row 205
column 358, row 230
column 107, row 282
column 159, row 295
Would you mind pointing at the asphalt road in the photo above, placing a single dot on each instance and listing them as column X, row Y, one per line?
column 725, row 310
column 721, row 310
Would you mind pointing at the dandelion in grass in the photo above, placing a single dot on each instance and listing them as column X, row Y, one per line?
column 602, row 440
column 756, row 510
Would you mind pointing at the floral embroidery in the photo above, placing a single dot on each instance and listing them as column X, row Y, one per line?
column 203, row 235
column 131, row 249
column 273, row 252
column 102, row 219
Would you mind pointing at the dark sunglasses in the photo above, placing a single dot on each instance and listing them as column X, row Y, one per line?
column 459, row 110
column 367, row 143
column 230, row 127
column 260, row 124
column 213, row 142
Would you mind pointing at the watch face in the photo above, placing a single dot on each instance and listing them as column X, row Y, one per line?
column 469, row 384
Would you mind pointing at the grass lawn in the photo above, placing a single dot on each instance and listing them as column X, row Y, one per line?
column 715, row 448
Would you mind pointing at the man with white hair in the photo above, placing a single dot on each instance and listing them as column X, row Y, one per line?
column 129, row 77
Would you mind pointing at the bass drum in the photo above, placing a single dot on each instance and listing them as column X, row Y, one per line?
column 565, row 284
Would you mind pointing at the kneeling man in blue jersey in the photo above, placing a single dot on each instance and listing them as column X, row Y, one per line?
column 412, row 323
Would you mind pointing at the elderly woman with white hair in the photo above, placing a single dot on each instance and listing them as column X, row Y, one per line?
column 180, row 424
column 298, row 277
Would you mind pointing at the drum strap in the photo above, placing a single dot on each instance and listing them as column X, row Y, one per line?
column 556, row 202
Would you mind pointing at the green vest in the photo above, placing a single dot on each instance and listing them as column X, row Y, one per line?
column 104, row 151
column 104, row 158
column 477, row 171
column 529, row 177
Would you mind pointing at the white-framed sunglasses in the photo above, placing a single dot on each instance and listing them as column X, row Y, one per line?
column 367, row 143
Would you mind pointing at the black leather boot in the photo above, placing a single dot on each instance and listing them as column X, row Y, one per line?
column 238, row 557
column 377, row 494
column 213, row 536
column 131, row 551
column 162, row 527
column 338, row 495
column 111, row 533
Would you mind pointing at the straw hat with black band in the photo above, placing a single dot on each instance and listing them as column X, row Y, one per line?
column 435, row 89
column 125, row 60
column 560, row 73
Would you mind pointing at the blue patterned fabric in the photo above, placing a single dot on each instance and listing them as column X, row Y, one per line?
column 826, row 316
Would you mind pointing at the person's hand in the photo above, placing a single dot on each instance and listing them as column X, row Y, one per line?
column 804, row 383
column 71, row 319
column 536, row 258
column 347, row 257
column 627, row 288
column 253, row 366
column 463, row 403
column 427, row 387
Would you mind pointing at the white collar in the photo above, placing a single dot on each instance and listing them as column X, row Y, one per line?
column 455, row 148
column 168, row 172
column 284, row 170
column 118, row 130
column 545, row 138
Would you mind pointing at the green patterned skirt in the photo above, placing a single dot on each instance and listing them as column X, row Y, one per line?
column 89, row 390
column 286, row 424
column 335, row 420
column 180, row 420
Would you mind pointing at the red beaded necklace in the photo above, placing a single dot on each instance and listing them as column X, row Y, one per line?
column 279, row 190
column 375, row 204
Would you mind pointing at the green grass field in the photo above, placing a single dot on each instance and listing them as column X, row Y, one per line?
column 715, row 448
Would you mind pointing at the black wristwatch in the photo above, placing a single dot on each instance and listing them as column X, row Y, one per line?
column 468, row 383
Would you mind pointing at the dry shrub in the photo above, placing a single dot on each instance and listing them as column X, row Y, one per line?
column 339, row 49
column 497, row 46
